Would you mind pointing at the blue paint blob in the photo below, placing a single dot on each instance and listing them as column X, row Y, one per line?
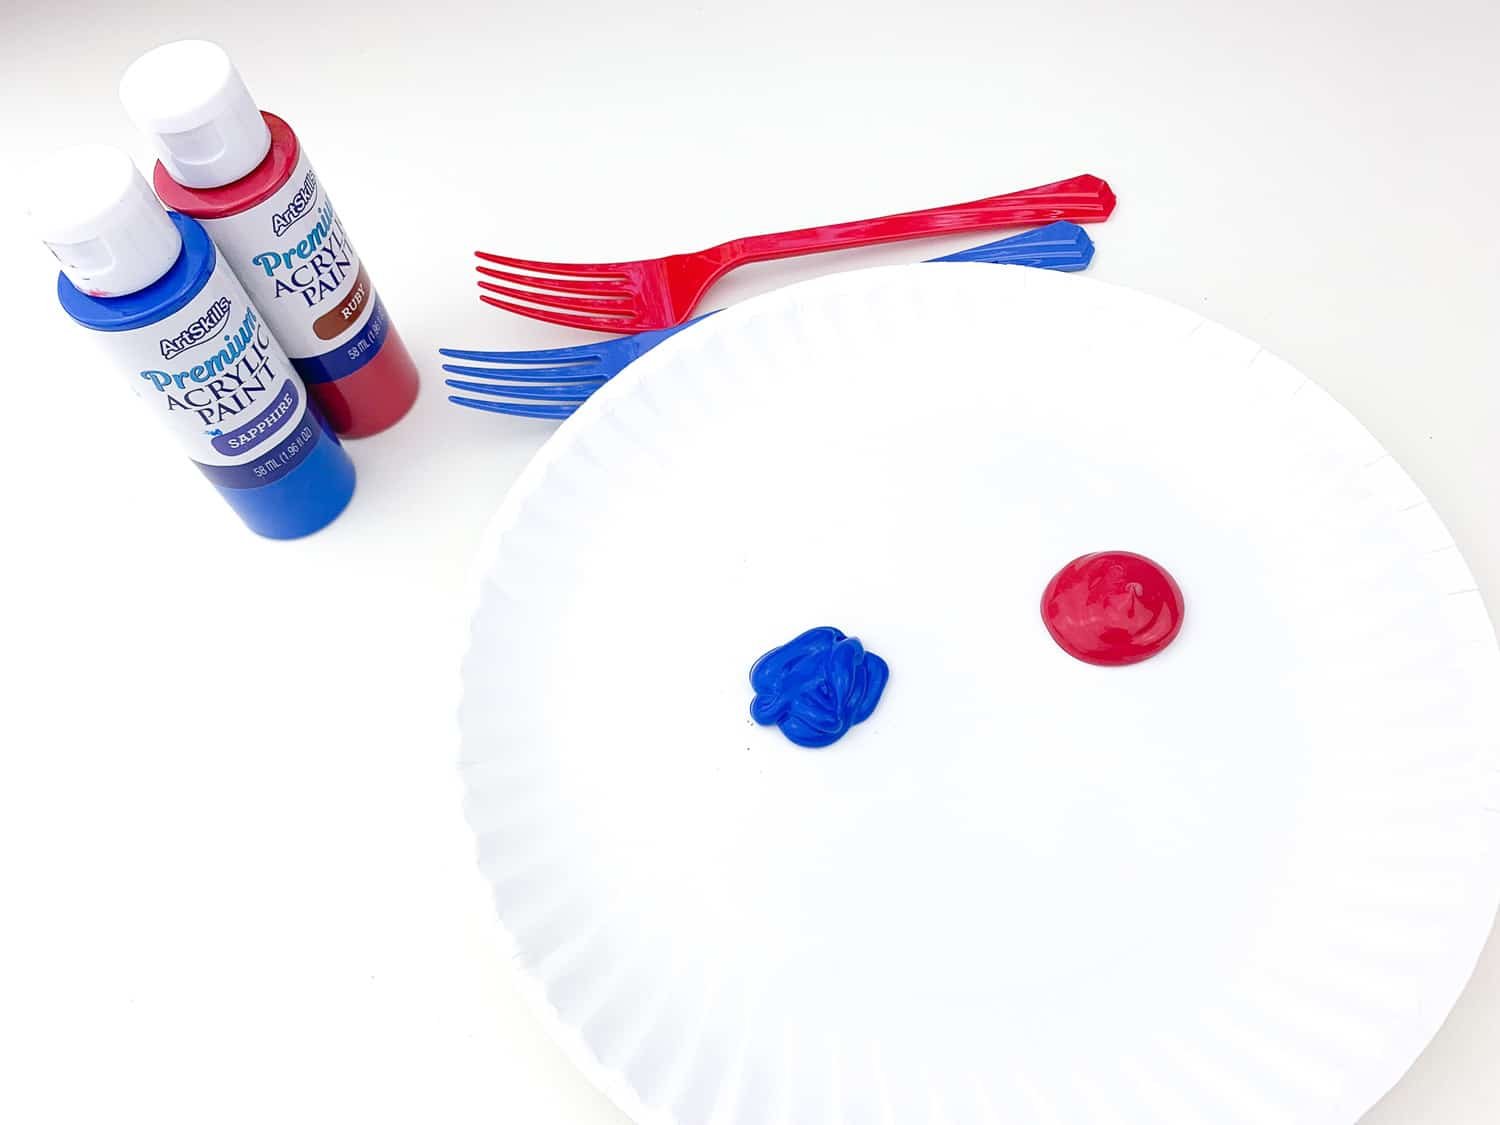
column 818, row 686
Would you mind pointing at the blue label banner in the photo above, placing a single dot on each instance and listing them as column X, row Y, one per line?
column 244, row 438
column 275, row 460
column 349, row 356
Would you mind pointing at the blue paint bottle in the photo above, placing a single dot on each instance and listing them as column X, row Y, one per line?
column 196, row 351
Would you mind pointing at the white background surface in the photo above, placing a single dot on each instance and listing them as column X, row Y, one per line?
column 236, row 883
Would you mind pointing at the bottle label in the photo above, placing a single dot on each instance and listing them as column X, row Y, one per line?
column 295, row 259
column 215, row 375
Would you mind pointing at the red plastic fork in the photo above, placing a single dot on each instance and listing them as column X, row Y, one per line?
column 662, row 292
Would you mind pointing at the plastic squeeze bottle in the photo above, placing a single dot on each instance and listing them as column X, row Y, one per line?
column 194, row 347
column 245, row 176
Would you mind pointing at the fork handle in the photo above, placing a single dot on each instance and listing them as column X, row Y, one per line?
column 1083, row 199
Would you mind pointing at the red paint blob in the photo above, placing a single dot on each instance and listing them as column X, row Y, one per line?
column 1113, row 607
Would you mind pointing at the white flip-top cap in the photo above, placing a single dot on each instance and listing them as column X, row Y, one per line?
column 97, row 214
column 192, row 104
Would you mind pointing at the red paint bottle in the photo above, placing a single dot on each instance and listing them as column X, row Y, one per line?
column 244, row 175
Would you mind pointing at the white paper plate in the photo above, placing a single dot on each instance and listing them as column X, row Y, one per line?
column 1240, row 883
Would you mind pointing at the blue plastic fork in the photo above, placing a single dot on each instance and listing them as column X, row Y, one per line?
column 554, row 382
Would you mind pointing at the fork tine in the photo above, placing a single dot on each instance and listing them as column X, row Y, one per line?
column 581, row 286
column 624, row 303
column 572, row 393
column 560, row 375
column 517, row 409
column 564, row 269
column 580, row 354
column 586, row 373
column 621, row 323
